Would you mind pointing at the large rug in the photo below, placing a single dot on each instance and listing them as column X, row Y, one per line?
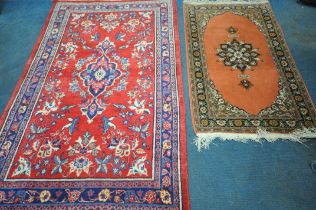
column 244, row 83
column 94, row 121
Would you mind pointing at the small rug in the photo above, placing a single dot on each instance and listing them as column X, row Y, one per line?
column 244, row 84
column 94, row 121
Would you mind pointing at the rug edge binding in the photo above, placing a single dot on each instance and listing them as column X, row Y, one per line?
column 204, row 140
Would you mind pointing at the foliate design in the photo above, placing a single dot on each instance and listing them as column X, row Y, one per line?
column 98, row 77
column 239, row 55
column 246, row 83
column 232, row 30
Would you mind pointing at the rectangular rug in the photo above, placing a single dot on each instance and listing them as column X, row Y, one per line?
column 94, row 121
column 244, row 84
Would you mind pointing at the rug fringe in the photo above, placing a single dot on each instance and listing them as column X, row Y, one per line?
column 203, row 140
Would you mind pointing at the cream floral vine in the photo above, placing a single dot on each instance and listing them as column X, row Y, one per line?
column 207, row 17
column 282, row 105
column 222, row 105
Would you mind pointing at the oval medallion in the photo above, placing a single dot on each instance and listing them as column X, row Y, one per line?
column 239, row 62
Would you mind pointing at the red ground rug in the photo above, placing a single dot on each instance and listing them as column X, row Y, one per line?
column 95, row 119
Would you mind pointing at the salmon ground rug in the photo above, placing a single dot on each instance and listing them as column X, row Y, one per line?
column 94, row 121
column 244, row 84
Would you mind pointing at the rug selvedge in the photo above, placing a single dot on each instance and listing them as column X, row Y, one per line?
column 131, row 168
column 291, row 115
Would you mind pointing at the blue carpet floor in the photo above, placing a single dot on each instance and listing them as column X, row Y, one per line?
column 229, row 175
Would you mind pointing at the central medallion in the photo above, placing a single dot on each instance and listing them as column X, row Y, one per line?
column 239, row 65
column 239, row 55
column 99, row 76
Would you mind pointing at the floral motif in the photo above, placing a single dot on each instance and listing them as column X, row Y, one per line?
column 102, row 164
column 100, row 74
column 58, row 165
column 70, row 47
column 45, row 196
column 104, row 195
column 79, row 165
column 139, row 106
column 109, row 25
column 73, row 195
column 84, row 146
column 165, row 197
column 246, row 83
column 49, row 106
column 138, row 167
column 132, row 24
column 118, row 166
column 92, row 110
column 123, row 149
column 166, row 181
column 150, row 196
column 238, row 55
column 46, row 149
column 24, row 167
column 2, row 196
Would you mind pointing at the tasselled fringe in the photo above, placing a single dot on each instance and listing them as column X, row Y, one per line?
column 203, row 140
